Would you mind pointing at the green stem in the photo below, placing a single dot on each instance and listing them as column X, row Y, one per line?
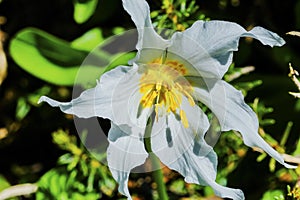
column 155, row 162
column 158, row 178
column 286, row 133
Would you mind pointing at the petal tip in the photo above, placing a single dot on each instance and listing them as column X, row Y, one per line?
column 290, row 166
column 51, row 102
column 42, row 99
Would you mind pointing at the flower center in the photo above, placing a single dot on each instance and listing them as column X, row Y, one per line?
column 163, row 85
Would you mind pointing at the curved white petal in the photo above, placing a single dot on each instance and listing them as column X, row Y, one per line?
column 170, row 132
column 124, row 153
column 209, row 46
column 147, row 36
column 233, row 113
column 115, row 97
column 95, row 101
column 201, row 170
column 126, row 98
column 185, row 150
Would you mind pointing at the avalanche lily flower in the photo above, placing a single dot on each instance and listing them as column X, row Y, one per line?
column 165, row 83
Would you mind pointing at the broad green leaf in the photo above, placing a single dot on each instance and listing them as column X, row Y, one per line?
column 3, row 183
column 63, row 63
column 54, row 60
column 120, row 59
column 84, row 9
column 89, row 40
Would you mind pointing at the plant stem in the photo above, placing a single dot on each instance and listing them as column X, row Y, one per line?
column 155, row 162
column 158, row 178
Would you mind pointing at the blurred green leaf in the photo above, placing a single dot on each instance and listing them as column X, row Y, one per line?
column 59, row 184
column 62, row 63
column 120, row 59
column 89, row 40
column 297, row 150
column 34, row 97
column 247, row 86
column 178, row 187
column 22, row 108
column 3, row 183
column 273, row 195
column 52, row 59
column 84, row 9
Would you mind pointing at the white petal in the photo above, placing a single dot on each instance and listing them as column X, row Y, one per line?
column 233, row 113
column 125, row 100
column 124, row 153
column 201, row 170
column 169, row 132
column 147, row 36
column 185, row 150
column 95, row 101
column 115, row 97
column 139, row 12
column 209, row 46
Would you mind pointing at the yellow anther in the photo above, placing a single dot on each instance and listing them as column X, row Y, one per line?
column 184, row 119
column 163, row 86
column 190, row 98
column 158, row 85
column 147, row 100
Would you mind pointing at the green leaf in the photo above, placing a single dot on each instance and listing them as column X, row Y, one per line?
column 65, row 159
column 52, row 59
column 297, row 150
column 84, row 9
column 89, row 40
column 178, row 187
column 3, row 183
column 22, row 108
column 273, row 194
column 120, row 59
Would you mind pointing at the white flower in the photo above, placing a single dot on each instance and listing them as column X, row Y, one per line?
column 165, row 82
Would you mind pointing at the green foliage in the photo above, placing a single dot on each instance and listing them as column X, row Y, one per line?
column 177, row 14
column 294, row 193
column 297, row 150
column 25, row 103
column 234, row 73
column 178, row 187
column 63, row 63
column 274, row 194
column 3, row 183
column 77, row 176
column 84, row 9
column 89, row 40
column 51, row 59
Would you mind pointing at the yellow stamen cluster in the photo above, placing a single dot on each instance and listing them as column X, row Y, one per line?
column 163, row 85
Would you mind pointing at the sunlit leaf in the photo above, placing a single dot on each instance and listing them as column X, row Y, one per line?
column 178, row 187
column 3, row 183
column 84, row 9
column 297, row 150
column 22, row 108
column 89, row 40
column 52, row 59
column 273, row 194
